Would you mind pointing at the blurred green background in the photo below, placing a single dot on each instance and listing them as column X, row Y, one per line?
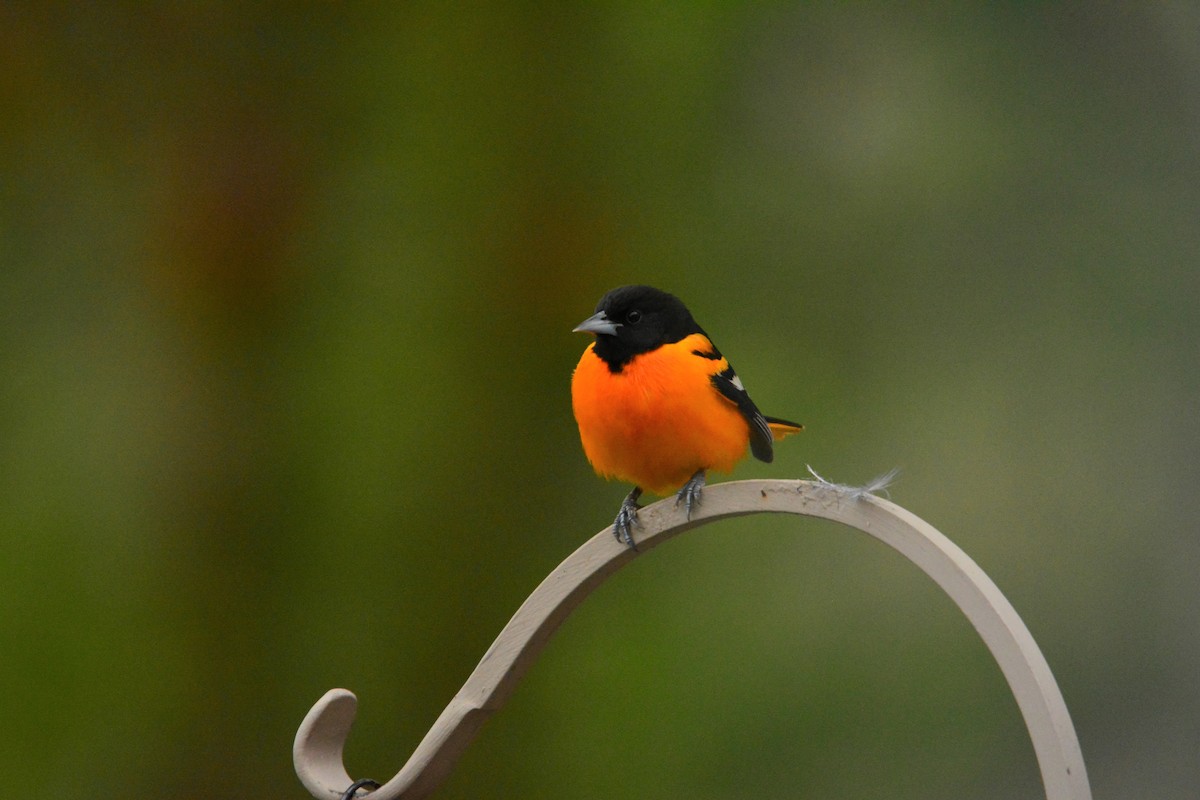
column 286, row 294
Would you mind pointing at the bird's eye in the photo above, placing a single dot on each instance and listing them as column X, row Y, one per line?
column 633, row 317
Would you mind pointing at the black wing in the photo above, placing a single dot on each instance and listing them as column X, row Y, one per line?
column 761, row 440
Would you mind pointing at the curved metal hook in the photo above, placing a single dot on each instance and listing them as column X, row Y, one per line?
column 319, row 742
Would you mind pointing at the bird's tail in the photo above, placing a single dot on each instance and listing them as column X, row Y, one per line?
column 781, row 427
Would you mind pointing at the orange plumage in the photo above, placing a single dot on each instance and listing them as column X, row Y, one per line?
column 659, row 420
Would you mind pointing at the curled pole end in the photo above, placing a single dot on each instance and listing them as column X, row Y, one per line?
column 317, row 751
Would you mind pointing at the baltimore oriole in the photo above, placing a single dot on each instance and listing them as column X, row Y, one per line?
column 658, row 405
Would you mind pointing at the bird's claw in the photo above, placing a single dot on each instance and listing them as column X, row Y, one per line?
column 689, row 495
column 627, row 519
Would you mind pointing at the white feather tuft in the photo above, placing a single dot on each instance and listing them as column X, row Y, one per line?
column 874, row 486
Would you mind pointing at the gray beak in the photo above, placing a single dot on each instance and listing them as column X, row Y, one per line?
column 598, row 323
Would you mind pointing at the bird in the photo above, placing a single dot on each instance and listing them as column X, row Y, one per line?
column 658, row 405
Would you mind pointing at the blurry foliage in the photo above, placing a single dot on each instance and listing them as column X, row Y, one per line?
column 287, row 293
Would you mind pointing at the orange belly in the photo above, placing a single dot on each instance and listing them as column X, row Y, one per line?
column 659, row 420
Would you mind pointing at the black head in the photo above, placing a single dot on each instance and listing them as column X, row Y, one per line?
column 631, row 320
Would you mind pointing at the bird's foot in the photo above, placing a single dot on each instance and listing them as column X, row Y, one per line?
column 689, row 495
column 627, row 518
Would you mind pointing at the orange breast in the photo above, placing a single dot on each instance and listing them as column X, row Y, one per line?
column 659, row 420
